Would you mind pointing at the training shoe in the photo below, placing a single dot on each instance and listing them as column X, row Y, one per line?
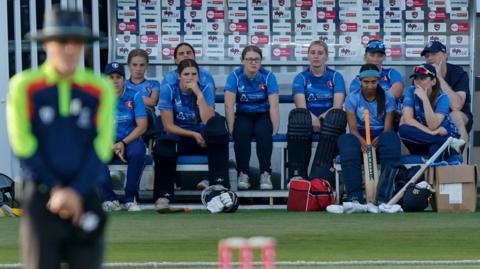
column 265, row 181
column 109, row 206
column 386, row 208
column 162, row 204
column 372, row 208
column 132, row 207
column 354, row 207
column 335, row 209
column 243, row 183
column 203, row 185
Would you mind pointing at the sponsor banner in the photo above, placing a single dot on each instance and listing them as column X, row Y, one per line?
column 170, row 14
column 373, row 15
column 216, row 40
column 260, row 39
column 170, row 27
column 193, row 14
column 149, row 39
column 258, row 14
column 437, row 15
column 413, row 52
column 168, row 51
column 281, row 27
column 392, row 40
column 437, row 27
column 301, row 51
column 237, row 3
column 303, row 27
column 170, row 39
column 389, row 14
column 259, row 27
column 303, row 15
column 348, row 51
column 171, row 3
column 414, row 27
column 126, row 3
column 325, row 27
column 237, row 39
column 191, row 26
column 459, row 52
column 348, row 15
column 126, row 39
column 281, row 3
column 461, row 27
column 414, row 15
column 436, row 3
column 348, row 27
column 216, row 27
column 219, row 3
column 371, row 27
column 303, row 3
column 237, row 14
column 152, row 51
column 240, row 27
column 329, row 39
column 127, row 26
column 325, row 3
column 394, row 4
column 280, row 13
column 234, row 51
column 370, row 3
column 215, row 14
column 349, row 40
column 393, row 52
column 215, row 52
column 366, row 38
column 414, row 40
column 149, row 27
column 327, row 15
column 281, row 39
column 198, row 51
column 459, row 40
column 259, row 3
column 349, row 3
column 459, row 15
column 281, row 52
column 193, row 3
column 194, row 40
column 414, row 3
column 457, row 4
column 123, row 51
column 441, row 38
column 305, row 39
column 393, row 27
column 126, row 14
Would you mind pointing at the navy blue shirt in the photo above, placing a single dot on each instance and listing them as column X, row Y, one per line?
column 457, row 79
column 252, row 94
column 319, row 91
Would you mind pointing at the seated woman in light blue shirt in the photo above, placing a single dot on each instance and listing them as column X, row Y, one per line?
column 254, row 91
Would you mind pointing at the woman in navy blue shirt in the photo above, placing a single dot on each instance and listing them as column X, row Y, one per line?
column 191, row 128
column 426, row 122
column 254, row 90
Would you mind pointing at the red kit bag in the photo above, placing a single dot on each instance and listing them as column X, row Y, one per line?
column 310, row 195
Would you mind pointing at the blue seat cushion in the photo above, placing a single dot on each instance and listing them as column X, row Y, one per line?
column 192, row 159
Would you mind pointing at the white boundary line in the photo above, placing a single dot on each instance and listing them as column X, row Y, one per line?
column 280, row 264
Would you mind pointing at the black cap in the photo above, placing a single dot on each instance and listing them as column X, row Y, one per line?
column 114, row 67
column 63, row 24
column 434, row 47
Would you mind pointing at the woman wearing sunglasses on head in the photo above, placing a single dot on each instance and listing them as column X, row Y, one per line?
column 426, row 123
column 254, row 91
column 380, row 105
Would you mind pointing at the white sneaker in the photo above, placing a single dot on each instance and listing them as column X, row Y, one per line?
column 109, row 206
column 203, row 185
column 243, row 183
column 372, row 208
column 354, row 207
column 265, row 181
column 386, row 208
column 162, row 204
column 335, row 209
column 132, row 207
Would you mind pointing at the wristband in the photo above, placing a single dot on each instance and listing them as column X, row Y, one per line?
column 124, row 144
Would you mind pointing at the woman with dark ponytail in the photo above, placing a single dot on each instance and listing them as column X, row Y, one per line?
column 381, row 106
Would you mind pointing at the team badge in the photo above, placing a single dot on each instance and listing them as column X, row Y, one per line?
column 330, row 84
column 262, row 87
column 129, row 104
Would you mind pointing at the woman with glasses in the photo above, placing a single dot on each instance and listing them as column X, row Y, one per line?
column 426, row 123
column 191, row 128
column 316, row 91
column 380, row 106
column 254, row 92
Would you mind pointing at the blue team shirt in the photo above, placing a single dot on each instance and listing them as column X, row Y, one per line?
column 318, row 91
column 204, row 78
column 357, row 103
column 441, row 107
column 145, row 88
column 185, row 111
column 388, row 77
column 252, row 94
column 129, row 108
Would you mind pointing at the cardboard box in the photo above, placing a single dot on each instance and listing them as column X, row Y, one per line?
column 455, row 186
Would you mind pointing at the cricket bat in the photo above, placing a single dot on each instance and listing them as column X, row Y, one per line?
column 370, row 170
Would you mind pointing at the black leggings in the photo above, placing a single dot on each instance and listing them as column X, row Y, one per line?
column 258, row 126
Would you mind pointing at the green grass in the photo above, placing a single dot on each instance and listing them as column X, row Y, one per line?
column 148, row 236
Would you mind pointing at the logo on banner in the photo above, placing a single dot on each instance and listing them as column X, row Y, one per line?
column 392, row 3
column 303, row 14
column 234, row 51
column 348, row 39
column 281, row 2
column 215, row 26
column 170, row 2
column 459, row 39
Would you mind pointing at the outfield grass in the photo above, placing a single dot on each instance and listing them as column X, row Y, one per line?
column 148, row 236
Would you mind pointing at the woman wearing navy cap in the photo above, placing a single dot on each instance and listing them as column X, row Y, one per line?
column 381, row 106
column 425, row 124
column 192, row 128
column 254, row 90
